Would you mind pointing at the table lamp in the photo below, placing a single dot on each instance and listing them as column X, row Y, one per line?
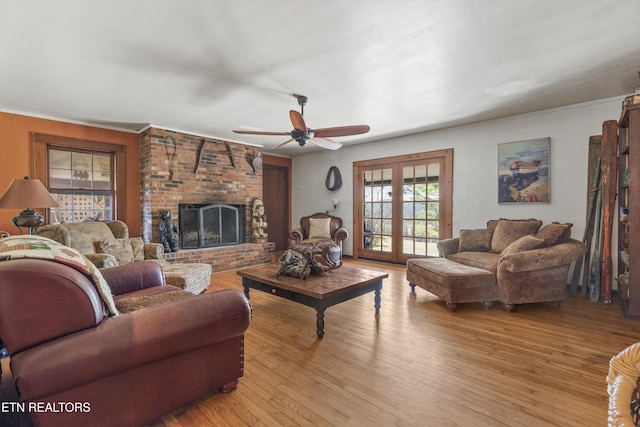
column 27, row 192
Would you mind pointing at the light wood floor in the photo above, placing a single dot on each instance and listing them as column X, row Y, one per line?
column 417, row 364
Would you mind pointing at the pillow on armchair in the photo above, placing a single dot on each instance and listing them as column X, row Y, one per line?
column 120, row 249
column 137, row 246
column 319, row 228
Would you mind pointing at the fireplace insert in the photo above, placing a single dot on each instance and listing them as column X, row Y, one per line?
column 209, row 225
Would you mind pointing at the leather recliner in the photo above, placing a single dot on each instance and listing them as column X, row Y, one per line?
column 126, row 370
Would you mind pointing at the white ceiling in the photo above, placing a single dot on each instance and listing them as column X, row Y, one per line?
column 401, row 66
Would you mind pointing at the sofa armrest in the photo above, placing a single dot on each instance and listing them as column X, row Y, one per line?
column 539, row 259
column 447, row 247
column 153, row 251
column 102, row 260
column 340, row 235
column 134, row 276
column 127, row 341
column 297, row 235
column 35, row 294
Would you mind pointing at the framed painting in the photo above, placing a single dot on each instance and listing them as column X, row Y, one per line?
column 523, row 171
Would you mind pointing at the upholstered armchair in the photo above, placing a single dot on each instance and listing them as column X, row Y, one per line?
column 122, row 370
column 322, row 233
column 108, row 244
column 319, row 228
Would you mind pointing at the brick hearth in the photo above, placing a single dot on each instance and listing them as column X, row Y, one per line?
column 197, row 170
column 227, row 257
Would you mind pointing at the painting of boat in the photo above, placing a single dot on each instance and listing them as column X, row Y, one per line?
column 520, row 167
column 523, row 171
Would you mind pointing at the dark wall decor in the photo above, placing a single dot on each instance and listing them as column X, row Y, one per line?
column 334, row 173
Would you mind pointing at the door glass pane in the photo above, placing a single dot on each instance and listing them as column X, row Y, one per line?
column 367, row 194
column 407, row 227
column 377, row 210
column 407, row 210
column 386, row 193
column 420, row 196
column 387, row 210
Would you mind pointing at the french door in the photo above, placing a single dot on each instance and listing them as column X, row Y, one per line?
column 402, row 205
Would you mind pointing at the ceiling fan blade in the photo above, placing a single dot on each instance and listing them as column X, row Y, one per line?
column 325, row 143
column 298, row 121
column 286, row 142
column 253, row 132
column 341, row 131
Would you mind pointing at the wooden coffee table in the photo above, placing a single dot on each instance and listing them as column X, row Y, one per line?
column 316, row 291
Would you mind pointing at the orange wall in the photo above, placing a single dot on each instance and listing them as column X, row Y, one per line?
column 16, row 154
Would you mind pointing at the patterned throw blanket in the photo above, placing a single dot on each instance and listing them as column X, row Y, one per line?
column 38, row 247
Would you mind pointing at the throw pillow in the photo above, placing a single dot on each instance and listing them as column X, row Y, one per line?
column 475, row 240
column 120, row 249
column 137, row 247
column 524, row 243
column 509, row 230
column 319, row 228
column 555, row 233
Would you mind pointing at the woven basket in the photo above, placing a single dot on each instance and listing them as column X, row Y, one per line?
column 622, row 380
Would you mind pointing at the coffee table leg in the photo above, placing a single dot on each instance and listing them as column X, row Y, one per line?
column 245, row 285
column 377, row 299
column 320, row 323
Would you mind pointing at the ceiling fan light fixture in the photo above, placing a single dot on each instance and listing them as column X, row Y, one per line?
column 302, row 134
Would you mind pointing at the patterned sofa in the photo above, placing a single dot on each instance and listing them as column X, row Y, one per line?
column 107, row 244
column 514, row 261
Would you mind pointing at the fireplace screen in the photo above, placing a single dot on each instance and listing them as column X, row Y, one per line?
column 205, row 226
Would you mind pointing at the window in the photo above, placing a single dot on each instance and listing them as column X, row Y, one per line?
column 82, row 176
column 82, row 184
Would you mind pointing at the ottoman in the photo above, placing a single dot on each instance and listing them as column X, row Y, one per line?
column 192, row 277
column 453, row 282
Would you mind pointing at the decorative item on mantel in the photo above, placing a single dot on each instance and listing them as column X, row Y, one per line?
column 170, row 148
column 256, row 162
column 229, row 153
column 27, row 192
column 168, row 232
column 258, row 222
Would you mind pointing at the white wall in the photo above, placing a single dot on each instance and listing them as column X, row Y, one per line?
column 475, row 158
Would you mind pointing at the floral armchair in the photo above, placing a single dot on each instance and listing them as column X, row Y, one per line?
column 107, row 244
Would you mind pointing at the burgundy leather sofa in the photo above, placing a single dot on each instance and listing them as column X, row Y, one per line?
column 75, row 366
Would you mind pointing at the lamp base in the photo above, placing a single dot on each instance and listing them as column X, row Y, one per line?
column 29, row 219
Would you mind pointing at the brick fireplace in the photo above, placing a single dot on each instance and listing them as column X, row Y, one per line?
column 181, row 169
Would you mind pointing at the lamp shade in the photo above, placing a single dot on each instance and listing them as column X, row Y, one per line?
column 27, row 193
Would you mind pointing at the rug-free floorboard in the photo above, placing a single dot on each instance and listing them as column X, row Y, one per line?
column 417, row 364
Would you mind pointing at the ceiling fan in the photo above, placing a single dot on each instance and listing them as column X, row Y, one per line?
column 302, row 134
